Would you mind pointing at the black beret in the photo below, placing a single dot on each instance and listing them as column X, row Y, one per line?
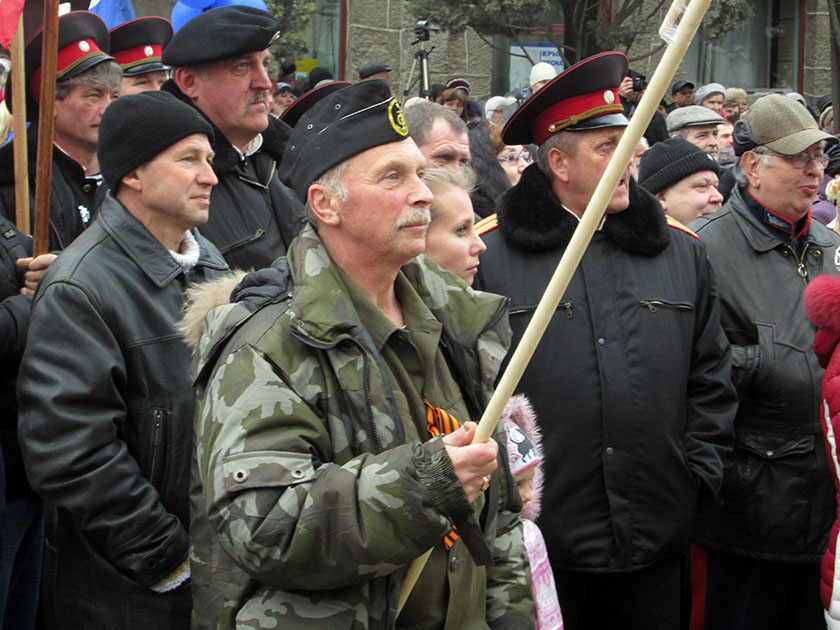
column 583, row 97
column 369, row 69
column 136, row 128
column 671, row 161
column 221, row 33
column 82, row 43
column 293, row 112
column 137, row 44
column 343, row 124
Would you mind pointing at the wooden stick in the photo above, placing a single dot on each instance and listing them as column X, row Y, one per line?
column 43, row 180
column 19, row 125
column 689, row 20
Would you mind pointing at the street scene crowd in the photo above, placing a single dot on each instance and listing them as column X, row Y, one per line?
column 242, row 389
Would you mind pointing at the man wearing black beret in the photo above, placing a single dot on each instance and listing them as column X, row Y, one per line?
column 106, row 403
column 327, row 436
column 87, row 80
column 220, row 64
column 630, row 382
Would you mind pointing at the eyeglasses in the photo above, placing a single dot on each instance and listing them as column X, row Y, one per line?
column 801, row 160
column 516, row 156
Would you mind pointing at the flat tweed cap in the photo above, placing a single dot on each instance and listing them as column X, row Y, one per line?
column 668, row 162
column 375, row 67
column 82, row 43
column 137, row 127
column 778, row 123
column 221, row 33
column 583, row 97
column 343, row 124
column 692, row 116
column 138, row 44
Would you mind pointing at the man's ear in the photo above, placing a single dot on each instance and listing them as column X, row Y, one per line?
column 749, row 163
column 558, row 163
column 132, row 180
column 324, row 205
column 661, row 197
column 187, row 81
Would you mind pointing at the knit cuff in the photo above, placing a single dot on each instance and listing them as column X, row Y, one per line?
column 435, row 472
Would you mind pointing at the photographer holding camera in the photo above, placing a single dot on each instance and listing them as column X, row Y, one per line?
column 630, row 92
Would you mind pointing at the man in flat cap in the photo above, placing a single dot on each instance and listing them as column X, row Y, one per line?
column 220, row 66
column 87, row 80
column 699, row 125
column 763, row 540
column 682, row 93
column 630, row 383
column 137, row 46
column 335, row 397
column 104, row 393
column 376, row 70
column 683, row 177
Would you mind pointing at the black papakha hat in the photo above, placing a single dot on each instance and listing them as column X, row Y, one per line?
column 343, row 124
column 82, row 43
column 138, row 44
column 221, row 33
column 375, row 67
column 670, row 161
column 583, row 97
column 293, row 112
column 137, row 127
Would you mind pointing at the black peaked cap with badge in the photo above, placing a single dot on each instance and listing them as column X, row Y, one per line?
column 343, row 124
column 221, row 33
column 302, row 105
column 137, row 45
column 83, row 42
column 583, row 97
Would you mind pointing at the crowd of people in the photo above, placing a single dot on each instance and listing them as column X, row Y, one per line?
column 242, row 388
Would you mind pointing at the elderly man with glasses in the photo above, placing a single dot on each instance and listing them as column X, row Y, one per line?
column 763, row 539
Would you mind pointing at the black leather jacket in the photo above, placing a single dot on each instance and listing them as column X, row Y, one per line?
column 777, row 500
column 631, row 382
column 253, row 215
column 106, row 413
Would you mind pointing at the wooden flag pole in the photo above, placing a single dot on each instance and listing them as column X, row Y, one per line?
column 684, row 17
column 49, row 56
column 19, row 125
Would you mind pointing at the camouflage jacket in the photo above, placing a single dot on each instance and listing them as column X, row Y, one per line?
column 308, row 502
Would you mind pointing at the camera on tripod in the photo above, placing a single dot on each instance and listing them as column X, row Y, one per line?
column 422, row 30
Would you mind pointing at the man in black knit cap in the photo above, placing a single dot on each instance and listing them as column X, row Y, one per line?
column 104, row 392
column 220, row 66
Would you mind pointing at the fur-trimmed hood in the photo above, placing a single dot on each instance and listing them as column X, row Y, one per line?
column 520, row 413
column 531, row 218
column 822, row 303
column 201, row 298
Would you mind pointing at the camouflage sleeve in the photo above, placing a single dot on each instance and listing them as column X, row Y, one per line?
column 282, row 510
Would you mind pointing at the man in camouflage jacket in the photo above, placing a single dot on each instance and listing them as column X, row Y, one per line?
column 317, row 484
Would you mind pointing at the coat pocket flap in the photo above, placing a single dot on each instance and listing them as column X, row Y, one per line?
column 775, row 446
column 261, row 469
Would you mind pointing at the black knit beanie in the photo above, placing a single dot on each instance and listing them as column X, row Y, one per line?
column 136, row 128
column 667, row 162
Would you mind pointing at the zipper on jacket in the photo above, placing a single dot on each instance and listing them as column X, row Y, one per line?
column 801, row 269
column 652, row 304
column 565, row 306
column 158, row 416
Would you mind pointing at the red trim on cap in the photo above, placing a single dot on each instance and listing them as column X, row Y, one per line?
column 137, row 55
column 571, row 111
column 68, row 58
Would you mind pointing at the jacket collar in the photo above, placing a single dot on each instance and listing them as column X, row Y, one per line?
column 532, row 218
column 323, row 312
column 7, row 159
column 759, row 236
column 143, row 248
column 226, row 157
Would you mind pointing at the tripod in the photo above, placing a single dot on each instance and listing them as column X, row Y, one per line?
column 423, row 55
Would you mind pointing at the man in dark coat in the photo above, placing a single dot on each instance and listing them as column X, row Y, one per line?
column 87, row 80
column 631, row 381
column 104, row 391
column 220, row 60
column 764, row 538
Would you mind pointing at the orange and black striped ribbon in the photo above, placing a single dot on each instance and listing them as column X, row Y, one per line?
column 441, row 423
